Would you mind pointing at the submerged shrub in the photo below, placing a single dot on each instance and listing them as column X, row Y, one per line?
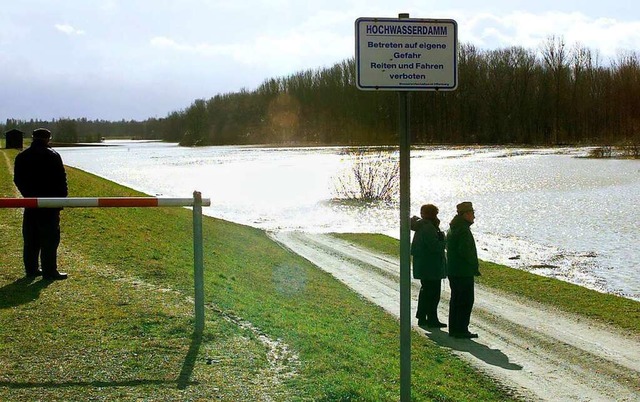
column 601, row 152
column 372, row 176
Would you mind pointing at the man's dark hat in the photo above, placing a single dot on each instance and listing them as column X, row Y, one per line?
column 464, row 207
column 41, row 133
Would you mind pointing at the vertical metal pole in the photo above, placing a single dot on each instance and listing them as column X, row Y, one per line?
column 405, row 246
column 405, row 251
column 198, row 264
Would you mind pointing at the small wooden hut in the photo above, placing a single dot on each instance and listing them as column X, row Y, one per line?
column 14, row 138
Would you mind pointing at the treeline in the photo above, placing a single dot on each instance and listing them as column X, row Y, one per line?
column 82, row 130
column 557, row 95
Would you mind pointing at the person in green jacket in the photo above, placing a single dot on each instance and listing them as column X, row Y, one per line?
column 462, row 258
column 429, row 264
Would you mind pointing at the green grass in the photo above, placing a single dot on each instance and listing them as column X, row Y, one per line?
column 121, row 327
column 606, row 308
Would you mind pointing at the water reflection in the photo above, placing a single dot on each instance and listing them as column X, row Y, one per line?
column 541, row 209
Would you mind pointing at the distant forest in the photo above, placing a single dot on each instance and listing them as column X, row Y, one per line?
column 556, row 95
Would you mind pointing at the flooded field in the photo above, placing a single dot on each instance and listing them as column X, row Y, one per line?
column 549, row 211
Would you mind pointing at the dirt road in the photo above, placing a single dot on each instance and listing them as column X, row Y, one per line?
column 540, row 353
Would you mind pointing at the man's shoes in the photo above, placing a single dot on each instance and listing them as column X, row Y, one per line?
column 423, row 322
column 34, row 274
column 57, row 276
column 463, row 335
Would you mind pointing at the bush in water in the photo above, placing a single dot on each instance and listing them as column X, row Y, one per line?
column 372, row 176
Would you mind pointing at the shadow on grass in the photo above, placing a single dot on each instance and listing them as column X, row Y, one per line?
column 190, row 360
column 183, row 380
column 494, row 357
column 26, row 290
column 69, row 384
column 21, row 291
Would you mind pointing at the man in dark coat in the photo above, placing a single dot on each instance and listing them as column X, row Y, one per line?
column 462, row 258
column 39, row 173
column 427, row 250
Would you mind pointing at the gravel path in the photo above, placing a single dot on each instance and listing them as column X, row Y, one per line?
column 540, row 353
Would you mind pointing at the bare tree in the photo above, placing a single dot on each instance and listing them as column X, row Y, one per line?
column 555, row 58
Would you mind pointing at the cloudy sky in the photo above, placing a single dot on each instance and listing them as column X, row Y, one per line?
column 135, row 59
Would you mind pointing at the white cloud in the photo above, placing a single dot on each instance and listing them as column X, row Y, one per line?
column 529, row 30
column 164, row 42
column 292, row 50
column 68, row 29
column 202, row 49
column 319, row 40
column 110, row 6
column 326, row 37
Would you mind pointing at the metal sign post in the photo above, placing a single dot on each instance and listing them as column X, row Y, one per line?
column 405, row 249
column 403, row 55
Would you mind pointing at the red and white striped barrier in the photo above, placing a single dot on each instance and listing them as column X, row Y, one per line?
column 78, row 202
column 196, row 202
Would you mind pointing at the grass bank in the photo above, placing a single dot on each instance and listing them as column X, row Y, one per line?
column 606, row 308
column 120, row 328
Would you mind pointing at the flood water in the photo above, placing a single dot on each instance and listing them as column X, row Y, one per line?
column 549, row 211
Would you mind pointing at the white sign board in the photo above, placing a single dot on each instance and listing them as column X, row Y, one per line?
column 406, row 54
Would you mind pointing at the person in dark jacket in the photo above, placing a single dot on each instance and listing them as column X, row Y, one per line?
column 429, row 264
column 39, row 173
column 462, row 258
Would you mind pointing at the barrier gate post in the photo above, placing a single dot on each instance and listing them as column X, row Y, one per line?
column 134, row 202
column 198, row 263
